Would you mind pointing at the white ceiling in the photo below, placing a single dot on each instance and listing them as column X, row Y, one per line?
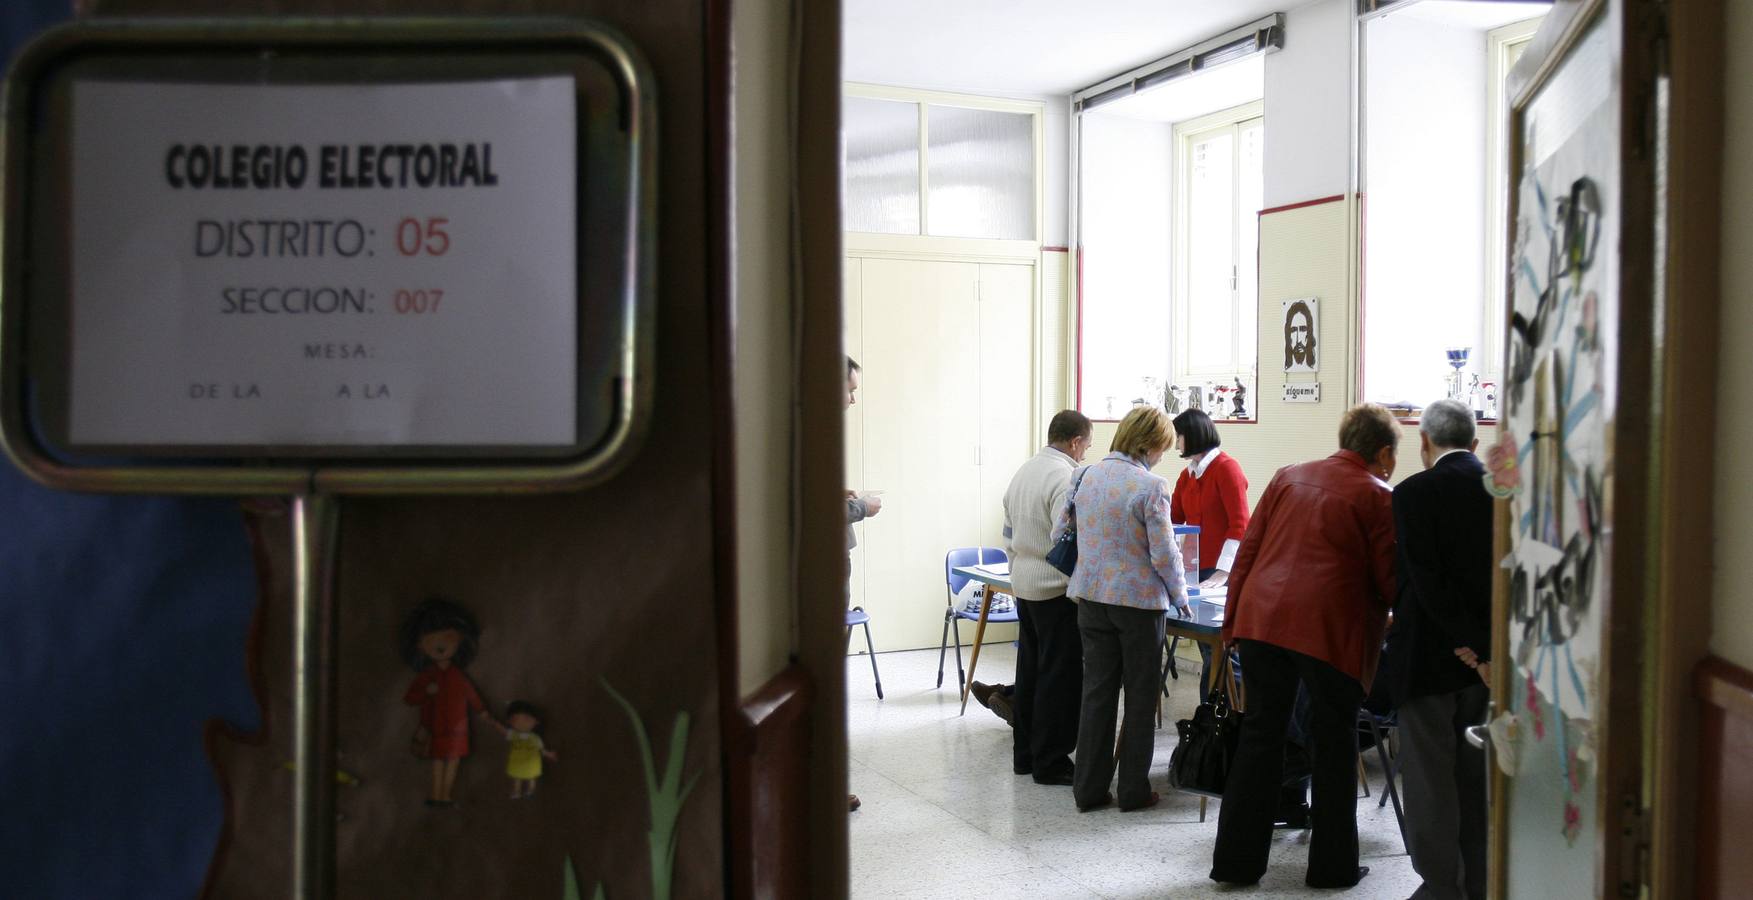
column 1034, row 47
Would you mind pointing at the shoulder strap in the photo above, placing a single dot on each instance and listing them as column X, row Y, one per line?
column 1071, row 498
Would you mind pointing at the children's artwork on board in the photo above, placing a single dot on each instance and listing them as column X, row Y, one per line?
column 439, row 640
column 1554, row 462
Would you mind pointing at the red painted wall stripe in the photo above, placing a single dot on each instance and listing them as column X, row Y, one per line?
column 1291, row 206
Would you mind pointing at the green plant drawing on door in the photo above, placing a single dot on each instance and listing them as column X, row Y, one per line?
column 571, row 892
column 666, row 795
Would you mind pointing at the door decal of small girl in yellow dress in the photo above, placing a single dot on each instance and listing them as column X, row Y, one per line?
column 523, row 731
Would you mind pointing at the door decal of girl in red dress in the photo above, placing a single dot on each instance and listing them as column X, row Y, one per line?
column 439, row 640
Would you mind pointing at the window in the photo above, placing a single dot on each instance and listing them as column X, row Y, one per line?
column 1217, row 286
column 1124, row 277
column 921, row 163
column 880, row 140
column 1434, row 155
column 1168, row 188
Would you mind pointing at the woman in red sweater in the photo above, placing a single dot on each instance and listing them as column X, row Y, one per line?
column 1212, row 493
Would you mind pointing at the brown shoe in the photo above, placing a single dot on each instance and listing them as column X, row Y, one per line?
column 1000, row 706
column 852, row 803
column 983, row 692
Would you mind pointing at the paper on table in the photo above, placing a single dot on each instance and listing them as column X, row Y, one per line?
column 1001, row 569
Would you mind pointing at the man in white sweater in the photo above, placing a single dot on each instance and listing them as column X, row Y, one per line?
column 1049, row 669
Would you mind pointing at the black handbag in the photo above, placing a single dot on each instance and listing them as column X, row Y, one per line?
column 1063, row 554
column 1201, row 761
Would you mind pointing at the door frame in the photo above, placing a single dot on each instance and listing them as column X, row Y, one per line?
column 1685, row 479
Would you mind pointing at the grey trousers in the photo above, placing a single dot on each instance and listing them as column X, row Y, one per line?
column 1122, row 648
column 1444, row 787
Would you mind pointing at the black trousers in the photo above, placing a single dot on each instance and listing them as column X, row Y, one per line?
column 1049, row 684
column 1250, row 800
column 1122, row 648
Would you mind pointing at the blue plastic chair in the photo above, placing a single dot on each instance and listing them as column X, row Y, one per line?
column 857, row 616
column 965, row 556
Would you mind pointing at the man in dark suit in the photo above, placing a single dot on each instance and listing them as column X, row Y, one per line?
column 1438, row 652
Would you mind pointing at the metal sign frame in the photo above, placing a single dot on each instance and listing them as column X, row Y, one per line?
column 344, row 51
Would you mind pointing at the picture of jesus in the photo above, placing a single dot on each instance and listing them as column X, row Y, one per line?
column 1300, row 328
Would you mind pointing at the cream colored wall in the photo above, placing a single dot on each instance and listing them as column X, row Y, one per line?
column 763, row 375
column 1732, row 627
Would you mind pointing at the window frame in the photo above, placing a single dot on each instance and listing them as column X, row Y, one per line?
column 1186, row 132
column 1504, row 45
column 925, row 241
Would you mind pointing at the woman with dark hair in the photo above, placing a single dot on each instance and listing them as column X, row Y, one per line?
column 1211, row 493
column 439, row 639
column 1308, row 602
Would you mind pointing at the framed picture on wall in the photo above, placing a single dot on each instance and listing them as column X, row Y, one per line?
column 1301, row 324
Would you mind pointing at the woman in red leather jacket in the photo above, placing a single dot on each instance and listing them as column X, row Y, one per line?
column 1308, row 600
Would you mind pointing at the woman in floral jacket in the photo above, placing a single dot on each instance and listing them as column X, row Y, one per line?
column 1129, row 574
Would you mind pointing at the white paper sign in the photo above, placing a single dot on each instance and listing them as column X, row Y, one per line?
column 325, row 265
column 1303, row 392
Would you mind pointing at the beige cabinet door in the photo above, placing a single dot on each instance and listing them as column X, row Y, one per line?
column 941, row 423
column 921, row 332
column 1007, row 294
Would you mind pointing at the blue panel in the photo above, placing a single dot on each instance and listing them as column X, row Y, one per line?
column 122, row 630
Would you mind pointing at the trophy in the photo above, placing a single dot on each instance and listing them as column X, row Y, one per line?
column 1457, row 362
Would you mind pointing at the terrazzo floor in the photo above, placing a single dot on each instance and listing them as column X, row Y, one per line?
column 944, row 817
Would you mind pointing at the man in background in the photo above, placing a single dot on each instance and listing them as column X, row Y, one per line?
column 858, row 508
column 1049, row 669
column 1438, row 652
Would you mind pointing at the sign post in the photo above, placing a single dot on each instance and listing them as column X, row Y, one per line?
column 322, row 257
